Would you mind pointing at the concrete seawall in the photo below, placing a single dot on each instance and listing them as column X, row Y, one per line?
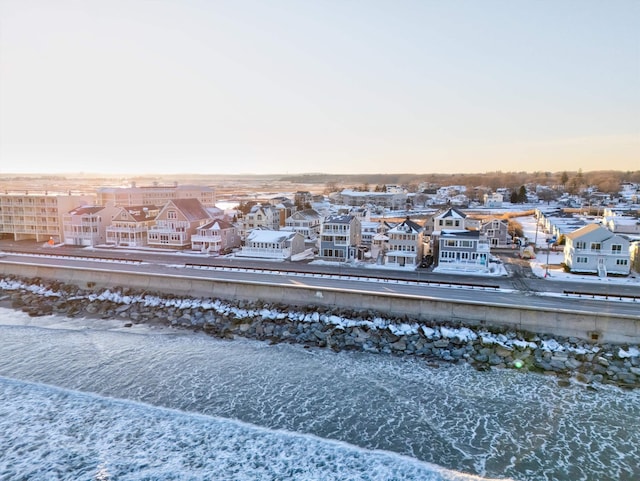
column 596, row 326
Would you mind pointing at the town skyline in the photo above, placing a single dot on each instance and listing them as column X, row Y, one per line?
column 241, row 88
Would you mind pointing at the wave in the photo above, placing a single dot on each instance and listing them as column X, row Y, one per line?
column 54, row 433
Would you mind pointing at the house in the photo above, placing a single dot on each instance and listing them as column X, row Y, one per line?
column 405, row 244
column 450, row 219
column 215, row 237
column 272, row 244
column 493, row 200
column 262, row 216
column 130, row 225
column 87, row 225
column 176, row 223
column 595, row 249
column 496, row 232
column 370, row 229
column 463, row 250
column 308, row 222
column 340, row 238
column 303, row 199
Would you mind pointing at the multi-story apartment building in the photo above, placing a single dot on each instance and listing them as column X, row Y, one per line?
column 37, row 216
column 130, row 225
column 340, row 238
column 155, row 194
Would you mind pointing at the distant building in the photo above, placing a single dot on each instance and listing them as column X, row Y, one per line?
column 493, row 201
column 155, row 194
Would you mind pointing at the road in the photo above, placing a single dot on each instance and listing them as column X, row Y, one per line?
column 506, row 291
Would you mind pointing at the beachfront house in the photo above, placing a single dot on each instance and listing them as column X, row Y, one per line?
column 130, row 225
column 176, row 223
column 340, row 238
column 461, row 250
column 405, row 246
column 215, row 237
column 595, row 249
column 87, row 225
column 272, row 244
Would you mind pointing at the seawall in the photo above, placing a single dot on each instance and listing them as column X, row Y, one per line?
column 601, row 327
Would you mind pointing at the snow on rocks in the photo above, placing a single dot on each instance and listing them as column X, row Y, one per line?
column 339, row 330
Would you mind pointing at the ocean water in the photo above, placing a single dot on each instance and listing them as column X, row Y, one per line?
column 91, row 400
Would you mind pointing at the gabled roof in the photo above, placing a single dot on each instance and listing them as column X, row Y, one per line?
column 407, row 225
column 453, row 213
column 217, row 224
column 192, row 209
column 587, row 229
column 310, row 214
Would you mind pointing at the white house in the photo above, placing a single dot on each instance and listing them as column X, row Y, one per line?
column 405, row 244
column 595, row 249
column 272, row 244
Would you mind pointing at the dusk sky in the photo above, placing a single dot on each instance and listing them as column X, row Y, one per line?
column 343, row 86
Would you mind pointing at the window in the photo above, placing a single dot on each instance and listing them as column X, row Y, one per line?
column 172, row 214
column 581, row 260
column 616, row 249
column 450, row 243
column 581, row 245
column 621, row 262
column 595, row 246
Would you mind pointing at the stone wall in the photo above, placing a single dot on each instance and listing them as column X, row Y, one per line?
column 338, row 329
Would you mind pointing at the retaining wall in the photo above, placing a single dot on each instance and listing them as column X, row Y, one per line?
column 597, row 326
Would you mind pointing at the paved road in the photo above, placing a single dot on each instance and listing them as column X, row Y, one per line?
column 520, row 276
column 348, row 279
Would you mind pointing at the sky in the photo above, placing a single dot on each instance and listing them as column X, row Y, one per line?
column 332, row 86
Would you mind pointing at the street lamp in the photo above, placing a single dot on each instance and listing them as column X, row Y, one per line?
column 549, row 242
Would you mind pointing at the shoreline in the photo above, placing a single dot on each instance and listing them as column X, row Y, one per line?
column 338, row 329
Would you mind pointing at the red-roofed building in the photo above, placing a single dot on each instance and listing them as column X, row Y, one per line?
column 178, row 220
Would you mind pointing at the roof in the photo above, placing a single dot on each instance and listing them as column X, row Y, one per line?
column 192, row 209
column 339, row 219
column 86, row 210
column 587, row 229
column 407, row 225
column 453, row 213
column 270, row 236
column 217, row 224
column 473, row 234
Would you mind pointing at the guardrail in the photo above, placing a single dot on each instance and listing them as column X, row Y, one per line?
column 357, row 277
column 595, row 295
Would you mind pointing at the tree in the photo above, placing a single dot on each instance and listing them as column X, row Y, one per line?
column 564, row 178
column 522, row 195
